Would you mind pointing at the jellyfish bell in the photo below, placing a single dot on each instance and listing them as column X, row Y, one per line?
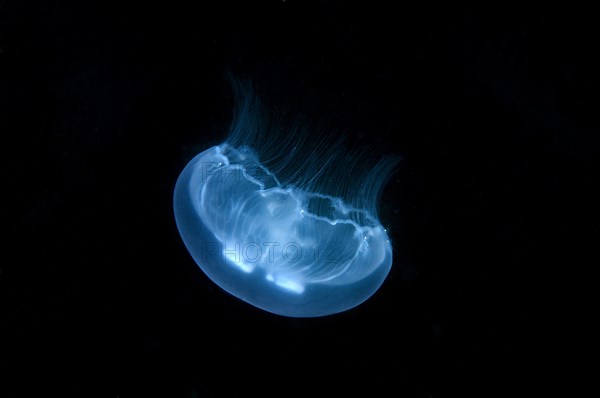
column 283, row 221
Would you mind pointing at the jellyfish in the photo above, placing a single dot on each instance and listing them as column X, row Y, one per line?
column 283, row 219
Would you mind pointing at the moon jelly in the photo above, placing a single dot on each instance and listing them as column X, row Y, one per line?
column 282, row 220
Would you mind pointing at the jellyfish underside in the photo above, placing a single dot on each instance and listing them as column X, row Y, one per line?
column 283, row 246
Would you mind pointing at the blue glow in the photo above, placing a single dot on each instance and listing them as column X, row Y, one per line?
column 283, row 222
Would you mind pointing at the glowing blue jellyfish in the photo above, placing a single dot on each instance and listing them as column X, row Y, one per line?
column 283, row 222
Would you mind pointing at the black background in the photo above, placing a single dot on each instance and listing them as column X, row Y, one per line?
column 102, row 105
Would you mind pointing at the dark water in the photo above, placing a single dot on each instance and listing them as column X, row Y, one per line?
column 492, row 207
